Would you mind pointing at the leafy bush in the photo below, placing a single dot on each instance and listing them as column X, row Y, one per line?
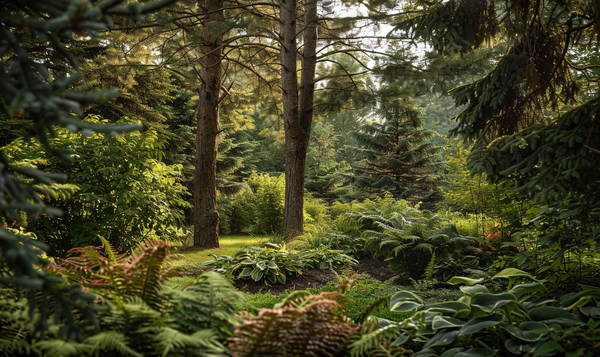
column 558, row 243
column 123, row 192
column 506, row 324
column 416, row 239
column 274, row 263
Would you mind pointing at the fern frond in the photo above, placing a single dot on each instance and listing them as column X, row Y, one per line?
column 371, row 340
column 14, row 347
column 374, row 306
column 60, row 348
column 111, row 341
column 202, row 343
column 209, row 302
column 298, row 295
column 108, row 249
column 316, row 329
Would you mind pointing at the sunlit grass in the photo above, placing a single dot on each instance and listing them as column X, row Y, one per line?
column 191, row 259
column 229, row 245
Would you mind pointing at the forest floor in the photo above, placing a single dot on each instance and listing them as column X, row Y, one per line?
column 190, row 261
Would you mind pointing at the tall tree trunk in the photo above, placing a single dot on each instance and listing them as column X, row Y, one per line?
column 297, row 109
column 206, row 216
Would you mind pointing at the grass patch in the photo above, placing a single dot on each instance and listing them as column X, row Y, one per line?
column 191, row 260
column 229, row 245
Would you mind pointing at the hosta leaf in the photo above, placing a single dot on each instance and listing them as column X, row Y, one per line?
column 550, row 313
column 491, row 302
column 477, row 352
column 572, row 298
column 475, row 289
column 462, row 280
column 401, row 339
column 442, row 338
column 452, row 307
column 512, row 274
column 405, row 301
column 426, row 352
column 522, row 334
column 531, row 305
column 528, row 288
column 550, row 347
column 591, row 311
column 516, row 346
column 440, row 322
column 536, row 327
column 452, row 352
column 480, row 323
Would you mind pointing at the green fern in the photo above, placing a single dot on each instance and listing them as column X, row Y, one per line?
column 61, row 348
column 203, row 343
column 111, row 341
column 209, row 302
column 374, row 306
column 108, row 249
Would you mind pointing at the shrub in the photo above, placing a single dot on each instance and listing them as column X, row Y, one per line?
column 122, row 191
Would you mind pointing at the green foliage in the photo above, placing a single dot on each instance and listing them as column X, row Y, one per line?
column 558, row 243
column 399, row 157
column 413, row 238
column 209, row 302
column 506, row 324
column 31, row 87
column 138, row 275
column 275, row 264
column 138, row 317
column 124, row 193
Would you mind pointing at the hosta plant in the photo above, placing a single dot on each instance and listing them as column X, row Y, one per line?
column 482, row 324
column 275, row 264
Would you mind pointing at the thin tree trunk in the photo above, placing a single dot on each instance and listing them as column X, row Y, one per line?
column 297, row 109
column 206, row 222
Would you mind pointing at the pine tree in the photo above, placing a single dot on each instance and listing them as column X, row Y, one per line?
column 399, row 156
column 533, row 115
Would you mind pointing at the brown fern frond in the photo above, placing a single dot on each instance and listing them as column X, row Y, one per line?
column 308, row 326
column 138, row 275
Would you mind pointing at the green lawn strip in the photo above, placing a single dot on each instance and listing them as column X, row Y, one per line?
column 229, row 245
column 193, row 259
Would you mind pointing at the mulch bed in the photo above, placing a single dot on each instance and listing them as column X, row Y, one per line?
column 374, row 268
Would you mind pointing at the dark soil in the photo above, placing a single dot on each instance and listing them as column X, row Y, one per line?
column 309, row 279
column 373, row 268
column 376, row 269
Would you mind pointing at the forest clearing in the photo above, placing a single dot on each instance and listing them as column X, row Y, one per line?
column 300, row 178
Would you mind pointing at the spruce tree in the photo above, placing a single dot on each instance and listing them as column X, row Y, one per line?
column 533, row 116
column 399, row 156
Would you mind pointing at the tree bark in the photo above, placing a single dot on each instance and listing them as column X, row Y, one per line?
column 297, row 109
column 206, row 216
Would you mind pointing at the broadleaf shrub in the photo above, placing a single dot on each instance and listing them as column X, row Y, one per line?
column 123, row 192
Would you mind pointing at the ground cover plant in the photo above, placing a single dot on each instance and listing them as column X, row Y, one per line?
column 275, row 264
column 510, row 323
